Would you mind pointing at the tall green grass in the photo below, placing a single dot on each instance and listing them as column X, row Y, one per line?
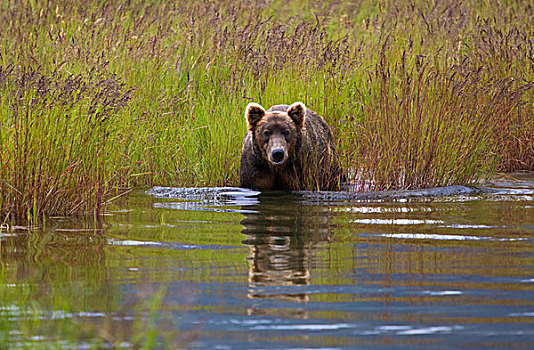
column 55, row 137
column 97, row 97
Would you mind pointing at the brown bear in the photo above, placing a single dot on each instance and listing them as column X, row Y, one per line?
column 288, row 148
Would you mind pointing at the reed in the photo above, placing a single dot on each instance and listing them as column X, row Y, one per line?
column 54, row 139
column 98, row 97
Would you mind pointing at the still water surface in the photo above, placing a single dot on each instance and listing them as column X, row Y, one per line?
column 234, row 269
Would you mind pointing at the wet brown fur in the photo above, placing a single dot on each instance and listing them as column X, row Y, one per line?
column 310, row 160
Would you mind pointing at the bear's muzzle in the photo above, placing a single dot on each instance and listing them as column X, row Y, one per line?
column 277, row 156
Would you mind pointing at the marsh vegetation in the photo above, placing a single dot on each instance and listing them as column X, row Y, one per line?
column 97, row 97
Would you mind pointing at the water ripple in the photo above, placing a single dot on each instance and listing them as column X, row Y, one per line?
column 445, row 237
column 304, row 327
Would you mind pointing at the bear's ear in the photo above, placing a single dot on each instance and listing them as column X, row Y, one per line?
column 253, row 114
column 297, row 112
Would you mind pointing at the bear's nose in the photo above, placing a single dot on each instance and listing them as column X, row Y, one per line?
column 278, row 155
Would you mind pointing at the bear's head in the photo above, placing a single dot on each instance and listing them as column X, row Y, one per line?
column 276, row 133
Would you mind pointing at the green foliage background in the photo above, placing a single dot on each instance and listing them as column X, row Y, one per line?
column 98, row 96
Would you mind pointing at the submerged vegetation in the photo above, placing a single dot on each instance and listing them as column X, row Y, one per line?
column 98, row 96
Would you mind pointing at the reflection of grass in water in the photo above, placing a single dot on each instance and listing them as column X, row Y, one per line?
column 69, row 286
column 98, row 97
column 139, row 325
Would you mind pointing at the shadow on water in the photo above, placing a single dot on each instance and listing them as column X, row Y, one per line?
column 283, row 245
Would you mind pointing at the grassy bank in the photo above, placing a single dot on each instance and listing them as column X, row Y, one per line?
column 96, row 98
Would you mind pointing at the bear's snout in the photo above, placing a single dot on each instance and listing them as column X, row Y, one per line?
column 277, row 156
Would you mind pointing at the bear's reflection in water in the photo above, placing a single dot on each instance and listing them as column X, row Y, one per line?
column 283, row 236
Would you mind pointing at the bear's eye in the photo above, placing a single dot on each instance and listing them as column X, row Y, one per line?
column 266, row 133
column 287, row 134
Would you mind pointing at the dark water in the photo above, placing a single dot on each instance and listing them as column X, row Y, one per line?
column 233, row 269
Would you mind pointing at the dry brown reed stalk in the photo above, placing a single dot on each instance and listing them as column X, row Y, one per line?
column 433, row 125
column 508, row 53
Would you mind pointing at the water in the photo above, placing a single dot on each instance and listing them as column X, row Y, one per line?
column 234, row 269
